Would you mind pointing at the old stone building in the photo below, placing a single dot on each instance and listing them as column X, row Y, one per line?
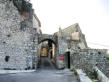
column 70, row 50
column 63, row 42
column 22, row 42
column 19, row 29
column 72, row 46
column 69, row 39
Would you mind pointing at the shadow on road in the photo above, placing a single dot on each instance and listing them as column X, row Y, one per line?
column 46, row 64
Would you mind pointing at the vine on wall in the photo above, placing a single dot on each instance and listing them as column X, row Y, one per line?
column 23, row 5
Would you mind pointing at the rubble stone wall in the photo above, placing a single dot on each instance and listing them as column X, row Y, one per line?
column 88, row 59
column 66, row 44
column 18, row 39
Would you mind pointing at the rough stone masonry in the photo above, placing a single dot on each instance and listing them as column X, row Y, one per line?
column 18, row 35
column 19, row 40
column 72, row 40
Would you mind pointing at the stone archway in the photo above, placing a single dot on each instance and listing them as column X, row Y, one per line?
column 44, row 37
column 50, row 43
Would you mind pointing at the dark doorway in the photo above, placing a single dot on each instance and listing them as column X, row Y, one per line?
column 68, row 59
column 51, row 55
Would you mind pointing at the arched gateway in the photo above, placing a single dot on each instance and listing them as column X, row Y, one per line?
column 48, row 42
column 44, row 37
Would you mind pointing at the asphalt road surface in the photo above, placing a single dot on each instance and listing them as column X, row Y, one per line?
column 46, row 73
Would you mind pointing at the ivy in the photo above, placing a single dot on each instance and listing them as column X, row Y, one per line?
column 23, row 5
column 18, row 4
column 26, row 6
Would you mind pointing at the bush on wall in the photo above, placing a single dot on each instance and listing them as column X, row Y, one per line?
column 22, row 5
column 108, row 57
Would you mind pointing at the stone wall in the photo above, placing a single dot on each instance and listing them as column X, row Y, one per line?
column 66, row 44
column 87, row 59
column 80, row 55
column 18, row 38
column 65, row 40
column 61, row 49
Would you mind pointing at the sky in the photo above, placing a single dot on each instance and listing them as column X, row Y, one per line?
column 92, row 16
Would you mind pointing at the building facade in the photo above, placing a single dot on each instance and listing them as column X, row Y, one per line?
column 21, row 41
column 73, row 52
column 19, row 31
column 68, row 40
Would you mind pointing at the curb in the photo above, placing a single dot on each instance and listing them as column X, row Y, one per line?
column 15, row 71
column 101, row 76
column 82, row 76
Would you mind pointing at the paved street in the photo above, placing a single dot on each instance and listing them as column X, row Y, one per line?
column 46, row 73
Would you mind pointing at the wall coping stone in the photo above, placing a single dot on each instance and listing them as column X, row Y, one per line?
column 101, row 76
column 83, row 77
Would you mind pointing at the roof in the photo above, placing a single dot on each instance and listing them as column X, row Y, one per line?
column 73, row 25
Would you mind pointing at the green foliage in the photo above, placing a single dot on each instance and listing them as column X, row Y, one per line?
column 100, row 81
column 95, row 74
column 26, row 6
column 75, row 72
column 23, row 5
column 78, row 79
column 18, row 5
column 108, row 57
column 61, row 68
